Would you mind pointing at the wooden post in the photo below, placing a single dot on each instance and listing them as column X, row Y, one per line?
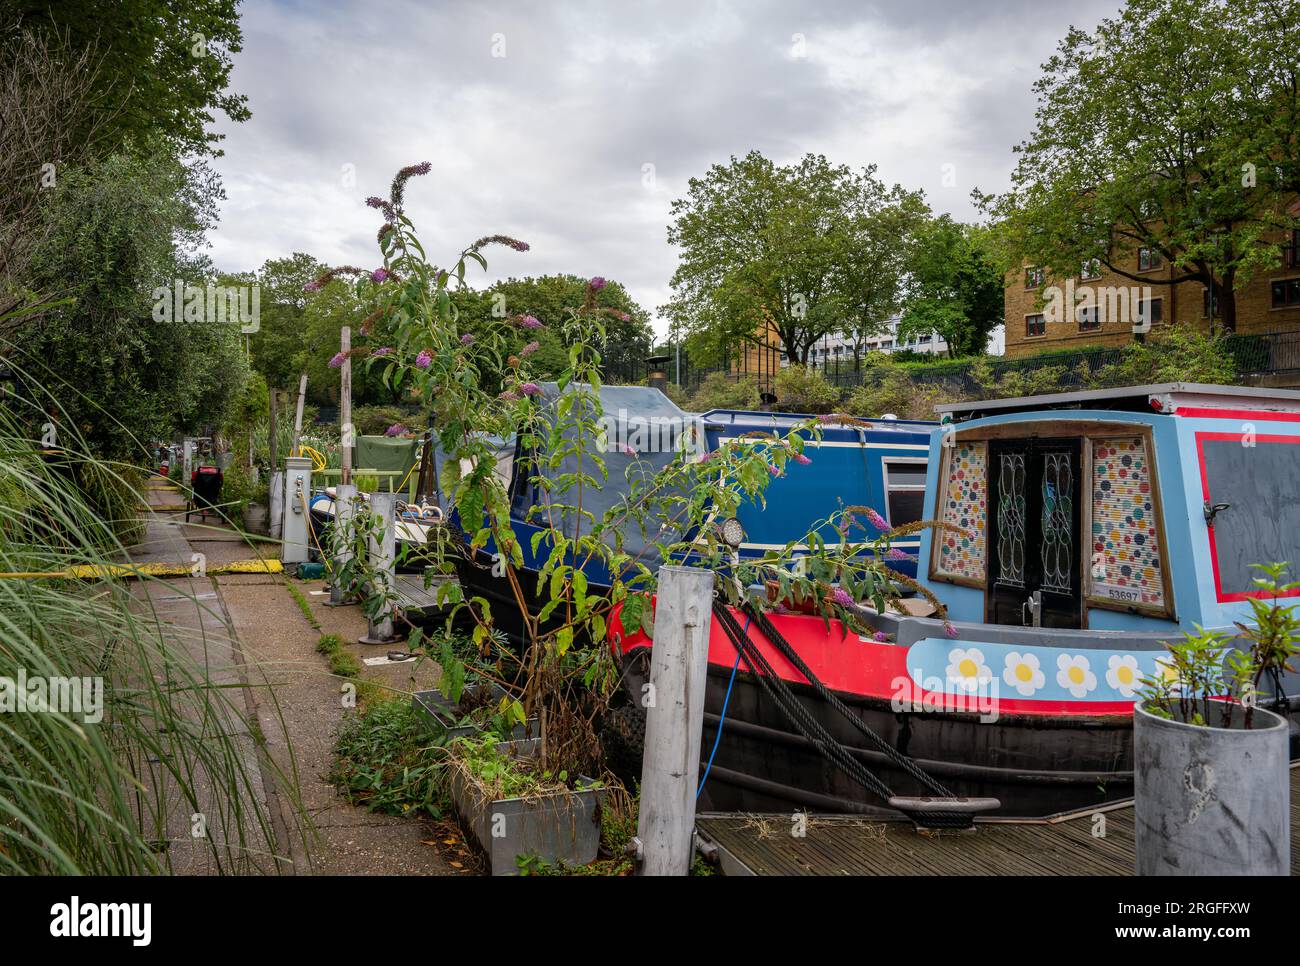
column 674, row 719
column 383, row 558
column 297, row 418
column 345, row 405
column 273, row 435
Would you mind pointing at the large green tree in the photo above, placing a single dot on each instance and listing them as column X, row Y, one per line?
column 809, row 248
column 1171, row 127
column 126, row 371
column 954, row 286
column 161, row 67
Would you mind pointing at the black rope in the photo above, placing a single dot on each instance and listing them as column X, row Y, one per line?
column 813, row 731
column 893, row 754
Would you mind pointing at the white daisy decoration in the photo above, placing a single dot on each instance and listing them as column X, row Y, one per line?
column 1122, row 674
column 1075, row 675
column 966, row 668
column 1023, row 672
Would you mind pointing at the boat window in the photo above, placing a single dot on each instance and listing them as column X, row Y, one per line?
column 1126, row 555
column 964, row 505
column 904, row 490
column 1254, row 475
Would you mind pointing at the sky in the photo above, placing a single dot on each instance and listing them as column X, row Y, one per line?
column 573, row 126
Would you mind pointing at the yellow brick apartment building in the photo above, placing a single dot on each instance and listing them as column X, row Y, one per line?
column 1108, row 305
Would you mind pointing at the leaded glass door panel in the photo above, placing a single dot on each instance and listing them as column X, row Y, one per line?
column 1033, row 539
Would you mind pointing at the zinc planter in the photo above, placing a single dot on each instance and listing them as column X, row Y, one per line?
column 256, row 519
column 1211, row 801
column 559, row 827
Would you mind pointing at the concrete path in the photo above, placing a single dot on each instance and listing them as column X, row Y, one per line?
column 248, row 631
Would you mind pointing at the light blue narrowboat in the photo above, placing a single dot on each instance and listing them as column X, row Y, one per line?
column 1085, row 530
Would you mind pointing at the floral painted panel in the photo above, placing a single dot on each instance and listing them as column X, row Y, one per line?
column 965, row 505
column 1126, row 557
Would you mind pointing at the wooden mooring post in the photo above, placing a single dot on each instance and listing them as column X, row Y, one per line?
column 674, row 720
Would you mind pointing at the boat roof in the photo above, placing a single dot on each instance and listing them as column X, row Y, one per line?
column 1165, row 397
column 747, row 417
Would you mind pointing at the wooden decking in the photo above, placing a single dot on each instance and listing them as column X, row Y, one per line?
column 847, row 845
column 412, row 595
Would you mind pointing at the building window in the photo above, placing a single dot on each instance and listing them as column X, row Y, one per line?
column 1091, row 268
column 1089, row 317
column 1035, row 325
column 1286, row 293
column 1148, row 260
column 1033, row 278
column 904, row 491
column 1150, row 312
column 1291, row 252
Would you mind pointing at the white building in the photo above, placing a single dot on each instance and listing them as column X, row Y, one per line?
column 829, row 350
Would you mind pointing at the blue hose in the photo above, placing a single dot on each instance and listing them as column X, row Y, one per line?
column 722, row 719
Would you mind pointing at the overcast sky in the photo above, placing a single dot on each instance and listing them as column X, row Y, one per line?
column 574, row 125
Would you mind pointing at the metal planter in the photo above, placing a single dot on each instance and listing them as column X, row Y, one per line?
column 561, row 827
column 1211, row 801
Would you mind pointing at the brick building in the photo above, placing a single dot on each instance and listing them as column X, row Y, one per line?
column 1109, row 306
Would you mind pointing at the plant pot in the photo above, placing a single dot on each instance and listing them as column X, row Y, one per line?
column 1211, row 801
column 443, row 717
column 256, row 519
column 561, row 826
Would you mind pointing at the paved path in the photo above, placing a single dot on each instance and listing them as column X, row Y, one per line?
column 247, row 630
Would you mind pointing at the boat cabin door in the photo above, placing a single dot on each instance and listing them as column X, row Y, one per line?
column 1034, row 539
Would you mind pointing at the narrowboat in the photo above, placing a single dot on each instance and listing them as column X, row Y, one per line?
column 1093, row 528
column 880, row 464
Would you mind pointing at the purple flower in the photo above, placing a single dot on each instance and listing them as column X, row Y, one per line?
column 597, row 283
column 949, row 629
column 467, row 338
column 397, row 429
column 876, row 520
column 530, row 348
column 774, row 469
column 529, row 321
column 628, row 450
column 802, row 460
column 828, row 418
column 379, row 275
column 895, row 554
column 383, row 350
column 338, row 359
column 705, row 457
column 508, row 394
column 841, row 596
column 374, row 202
column 531, row 389
column 424, row 360
column 313, row 286
column 880, row 637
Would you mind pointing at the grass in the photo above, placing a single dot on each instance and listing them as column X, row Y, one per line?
column 303, row 605
column 106, row 797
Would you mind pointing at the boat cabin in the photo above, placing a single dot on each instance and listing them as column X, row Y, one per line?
column 880, row 464
column 1135, row 509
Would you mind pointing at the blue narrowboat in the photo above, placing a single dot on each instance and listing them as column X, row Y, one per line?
column 1087, row 530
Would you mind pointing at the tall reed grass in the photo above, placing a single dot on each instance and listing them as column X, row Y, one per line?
column 174, row 774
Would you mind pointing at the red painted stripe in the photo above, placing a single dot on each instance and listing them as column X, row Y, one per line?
column 848, row 665
column 1247, row 414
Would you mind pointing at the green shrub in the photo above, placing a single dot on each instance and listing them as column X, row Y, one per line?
column 386, row 760
column 1180, row 354
column 720, row 390
column 803, row 390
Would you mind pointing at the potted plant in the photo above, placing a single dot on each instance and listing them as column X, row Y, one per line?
column 1211, row 788
column 517, row 810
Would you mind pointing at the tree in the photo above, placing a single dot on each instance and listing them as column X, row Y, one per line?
column 954, row 286
column 804, row 248
column 163, row 67
column 1170, row 127
column 130, row 367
